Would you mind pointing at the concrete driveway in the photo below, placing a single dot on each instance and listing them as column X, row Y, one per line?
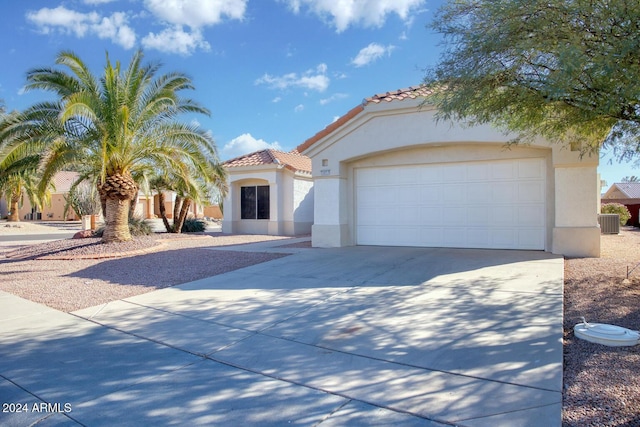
column 328, row 337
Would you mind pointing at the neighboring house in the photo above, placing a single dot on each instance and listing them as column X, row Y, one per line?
column 388, row 173
column 270, row 192
column 147, row 206
column 62, row 182
column 628, row 194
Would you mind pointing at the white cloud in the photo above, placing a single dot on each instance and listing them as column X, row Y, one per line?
column 196, row 13
column 245, row 144
column 299, row 108
column 371, row 53
column 115, row 28
column 176, row 40
column 314, row 79
column 67, row 21
column 334, row 97
column 98, row 1
column 368, row 13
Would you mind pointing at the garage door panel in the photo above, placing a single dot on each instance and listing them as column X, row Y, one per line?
column 453, row 216
column 478, row 192
column 453, row 194
column 503, row 171
column 504, row 238
column 531, row 191
column 529, row 238
column 406, row 195
column 454, row 237
column 478, row 172
column 530, row 168
column 495, row 204
column 503, row 216
column 478, row 238
column 531, row 216
column 478, row 216
column 431, row 194
column 453, row 173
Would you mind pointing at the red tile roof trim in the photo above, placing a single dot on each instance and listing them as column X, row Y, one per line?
column 329, row 129
column 293, row 161
column 412, row 92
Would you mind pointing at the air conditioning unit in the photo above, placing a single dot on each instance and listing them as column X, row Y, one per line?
column 609, row 223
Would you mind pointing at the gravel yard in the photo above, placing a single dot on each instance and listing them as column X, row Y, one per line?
column 601, row 384
column 72, row 274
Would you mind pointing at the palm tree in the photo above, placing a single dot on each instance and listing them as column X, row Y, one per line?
column 116, row 126
column 18, row 169
column 189, row 188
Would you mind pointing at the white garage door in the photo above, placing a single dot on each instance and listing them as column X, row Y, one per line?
column 494, row 204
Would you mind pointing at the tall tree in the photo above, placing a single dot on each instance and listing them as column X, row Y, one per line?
column 189, row 189
column 567, row 70
column 116, row 125
column 18, row 169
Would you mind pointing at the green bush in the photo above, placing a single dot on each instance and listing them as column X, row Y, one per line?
column 193, row 225
column 617, row 208
column 137, row 227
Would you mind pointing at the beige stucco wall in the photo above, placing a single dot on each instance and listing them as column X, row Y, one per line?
column 402, row 133
column 289, row 192
column 51, row 212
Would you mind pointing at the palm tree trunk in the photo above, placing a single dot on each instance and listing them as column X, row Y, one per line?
column 176, row 209
column 184, row 210
column 103, row 202
column 117, row 221
column 163, row 212
column 134, row 204
column 118, row 191
column 14, row 210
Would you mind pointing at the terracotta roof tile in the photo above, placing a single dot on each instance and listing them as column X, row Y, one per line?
column 412, row 92
column 292, row 160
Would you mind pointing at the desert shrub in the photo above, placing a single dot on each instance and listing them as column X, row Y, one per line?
column 617, row 208
column 83, row 199
column 193, row 225
column 137, row 227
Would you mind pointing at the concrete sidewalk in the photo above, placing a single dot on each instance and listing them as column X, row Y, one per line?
column 349, row 336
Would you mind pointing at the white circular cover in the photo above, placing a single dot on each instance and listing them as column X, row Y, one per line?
column 611, row 335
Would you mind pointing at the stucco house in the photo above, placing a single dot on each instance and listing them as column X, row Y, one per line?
column 147, row 205
column 270, row 192
column 54, row 211
column 388, row 173
column 628, row 194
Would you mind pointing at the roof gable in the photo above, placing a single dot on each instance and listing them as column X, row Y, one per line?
column 293, row 160
column 629, row 190
column 412, row 92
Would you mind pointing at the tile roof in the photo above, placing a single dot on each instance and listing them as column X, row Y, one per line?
column 411, row 92
column 630, row 189
column 292, row 160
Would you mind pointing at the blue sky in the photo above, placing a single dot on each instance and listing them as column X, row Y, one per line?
column 272, row 72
